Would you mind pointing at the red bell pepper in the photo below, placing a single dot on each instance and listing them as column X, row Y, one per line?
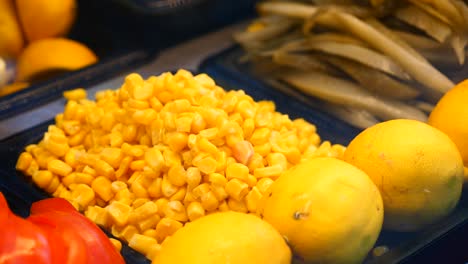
column 54, row 233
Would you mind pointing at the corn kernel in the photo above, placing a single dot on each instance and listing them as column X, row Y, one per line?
column 177, row 141
column 223, row 207
column 139, row 202
column 151, row 232
column 193, row 177
column 33, row 168
column 166, row 227
column 179, row 195
column 118, row 185
column 252, row 199
column 113, row 156
column 264, row 185
column 97, row 215
column 177, row 175
column 88, row 170
column 59, row 167
column 205, row 145
column 123, row 168
column 75, row 94
column 119, row 212
column 83, row 195
column 277, row 159
column 42, row 178
column 270, row 171
column 142, row 243
column 56, row 144
column 237, row 171
column 237, row 189
column 206, row 165
column 102, row 187
column 176, row 210
column 260, row 136
column 263, row 149
column 200, row 190
column 198, row 123
column 195, row 210
column 243, row 151
column 127, row 232
column 161, row 203
column 238, row 206
column 116, row 243
column 217, row 179
column 139, row 190
column 24, row 160
column 146, row 210
column 149, row 223
column 137, row 165
column 209, row 201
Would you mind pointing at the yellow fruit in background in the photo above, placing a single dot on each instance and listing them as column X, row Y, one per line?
column 226, row 237
column 46, row 18
column 11, row 38
column 12, row 87
column 416, row 167
column 450, row 115
column 53, row 54
column 328, row 210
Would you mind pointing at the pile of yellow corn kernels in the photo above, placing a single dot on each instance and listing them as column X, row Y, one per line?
column 145, row 159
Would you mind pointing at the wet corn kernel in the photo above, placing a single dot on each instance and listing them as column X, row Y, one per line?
column 119, row 212
column 166, row 227
column 116, row 243
column 102, row 187
column 75, row 94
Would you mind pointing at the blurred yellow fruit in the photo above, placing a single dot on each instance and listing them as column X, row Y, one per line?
column 11, row 38
column 53, row 54
column 46, row 18
column 12, row 87
column 226, row 237
column 416, row 167
column 451, row 117
column 328, row 210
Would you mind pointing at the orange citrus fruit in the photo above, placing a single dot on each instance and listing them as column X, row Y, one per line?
column 328, row 210
column 46, row 18
column 226, row 237
column 53, row 54
column 450, row 115
column 11, row 37
column 417, row 168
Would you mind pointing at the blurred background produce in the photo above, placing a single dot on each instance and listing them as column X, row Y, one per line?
column 33, row 43
column 365, row 61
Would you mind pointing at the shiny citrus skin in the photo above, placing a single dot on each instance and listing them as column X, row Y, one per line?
column 328, row 210
column 11, row 38
column 450, row 115
column 416, row 167
column 53, row 54
column 46, row 18
column 225, row 237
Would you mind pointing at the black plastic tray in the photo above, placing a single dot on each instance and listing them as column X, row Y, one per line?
column 117, row 50
column 404, row 247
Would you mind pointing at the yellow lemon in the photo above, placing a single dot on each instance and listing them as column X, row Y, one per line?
column 226, row 237
column 416, row 167
column 450, row 115
column 11, row 38
column 46, row 18
column 328, row 210
column 53, row 54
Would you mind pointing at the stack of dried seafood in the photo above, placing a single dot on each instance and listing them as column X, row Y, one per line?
column 367, row 61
